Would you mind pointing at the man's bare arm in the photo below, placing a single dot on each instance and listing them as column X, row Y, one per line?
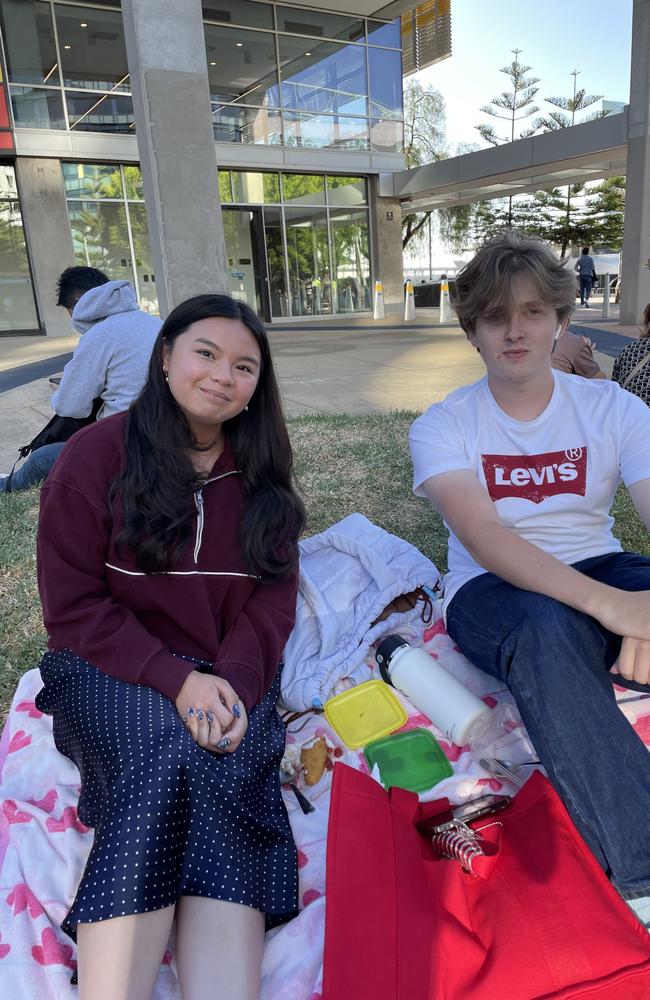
column 466, row 507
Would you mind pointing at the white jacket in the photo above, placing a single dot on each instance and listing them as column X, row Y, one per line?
column 348, row 575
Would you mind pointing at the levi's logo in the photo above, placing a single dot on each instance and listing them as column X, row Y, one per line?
column 536, row 477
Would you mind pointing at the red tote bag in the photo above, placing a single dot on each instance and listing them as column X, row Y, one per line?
column 540, row 920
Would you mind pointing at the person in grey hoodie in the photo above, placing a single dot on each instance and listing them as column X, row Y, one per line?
column 110, row 361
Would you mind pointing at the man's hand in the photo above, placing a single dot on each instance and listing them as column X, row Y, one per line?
column 212, row 712
column 633, row 661
column 624, row 612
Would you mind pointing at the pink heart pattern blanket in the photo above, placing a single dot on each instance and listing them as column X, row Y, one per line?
column 43, row 844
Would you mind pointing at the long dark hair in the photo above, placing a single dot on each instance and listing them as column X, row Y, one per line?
column 157, row 484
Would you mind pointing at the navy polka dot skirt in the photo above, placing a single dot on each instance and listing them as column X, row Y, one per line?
column 170, row 818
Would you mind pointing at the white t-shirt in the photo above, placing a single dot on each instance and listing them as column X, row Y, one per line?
column 552, row 479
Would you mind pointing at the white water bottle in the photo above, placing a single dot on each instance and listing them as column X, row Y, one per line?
column 462, row 717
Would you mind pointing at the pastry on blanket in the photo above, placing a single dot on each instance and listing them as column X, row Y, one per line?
column 291, row 763
column 314, row 756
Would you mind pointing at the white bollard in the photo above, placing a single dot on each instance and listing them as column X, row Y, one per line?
column 608, row 278
column 378, row 311
column 446, row 315
column 409, row 303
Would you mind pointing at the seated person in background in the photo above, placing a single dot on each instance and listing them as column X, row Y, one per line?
column 523, row 466
column 632, row 366
column 573, row 354
column 109, row 362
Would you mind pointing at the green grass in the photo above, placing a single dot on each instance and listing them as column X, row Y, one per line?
column 344, row 464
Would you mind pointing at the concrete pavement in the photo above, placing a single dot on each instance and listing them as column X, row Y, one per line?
column 349, row 365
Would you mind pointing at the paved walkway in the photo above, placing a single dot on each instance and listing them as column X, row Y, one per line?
column 350, row 365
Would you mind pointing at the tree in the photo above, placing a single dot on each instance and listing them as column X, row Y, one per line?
column 606, row 211
column 579, row 102
column 572, row 225
column 526, row 213
column 519, row 99
column 425, row 141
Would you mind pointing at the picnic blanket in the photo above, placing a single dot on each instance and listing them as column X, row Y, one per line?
column 43, row 845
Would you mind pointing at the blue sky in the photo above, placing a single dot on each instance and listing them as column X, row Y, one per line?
column 555, row 36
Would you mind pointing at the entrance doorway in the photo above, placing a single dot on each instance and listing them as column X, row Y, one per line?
column 245, row 258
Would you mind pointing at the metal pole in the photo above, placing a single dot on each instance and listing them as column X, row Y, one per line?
column 606, row 297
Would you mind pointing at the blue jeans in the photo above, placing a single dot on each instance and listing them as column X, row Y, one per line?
column 585, row 288
column 555, row 661
column 35, row 468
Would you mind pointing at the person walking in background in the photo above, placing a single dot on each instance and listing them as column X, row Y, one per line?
column 574, row 355
column 632, row 366
column 109, row 364
column 586, row 269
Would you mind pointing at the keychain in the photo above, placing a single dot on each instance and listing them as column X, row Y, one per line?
column 454, row 839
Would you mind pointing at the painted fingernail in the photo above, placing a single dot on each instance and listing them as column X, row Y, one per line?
column 236, row 711
column 183, row 718
column 190, row 711
column 199, row 715
column 210, row 717
column 223, row 744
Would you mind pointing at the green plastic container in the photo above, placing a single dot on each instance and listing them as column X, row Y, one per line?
column 413, row 760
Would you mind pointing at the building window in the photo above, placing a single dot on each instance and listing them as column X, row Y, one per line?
column 17, row 306
column 109, row 224
column 316, row 234
column 334, row 76
column 277, row 75
column 328, row 77
column 67, row 66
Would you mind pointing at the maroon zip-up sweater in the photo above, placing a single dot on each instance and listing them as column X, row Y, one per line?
column 97, row 602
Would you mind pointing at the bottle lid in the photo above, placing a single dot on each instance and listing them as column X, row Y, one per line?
column 385, row 651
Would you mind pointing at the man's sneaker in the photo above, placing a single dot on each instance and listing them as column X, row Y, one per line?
column 586, row 305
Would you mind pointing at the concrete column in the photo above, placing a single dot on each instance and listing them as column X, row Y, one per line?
column 47, row 232
column 635, row 290
column 387, row 247
column 165, row 47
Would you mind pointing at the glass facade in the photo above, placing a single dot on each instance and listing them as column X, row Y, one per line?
column 277, row 75
column 316, row 237
column 67, row 67
column 296, row 77
column 109, row 224
column 17, row 306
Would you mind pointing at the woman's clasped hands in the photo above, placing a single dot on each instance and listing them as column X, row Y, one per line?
column 212, row 712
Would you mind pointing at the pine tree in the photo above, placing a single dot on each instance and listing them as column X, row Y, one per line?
column 519, row 99
column 606, row 213
column 573, row 225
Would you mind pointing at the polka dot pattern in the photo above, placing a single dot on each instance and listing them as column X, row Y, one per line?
column 170, row 818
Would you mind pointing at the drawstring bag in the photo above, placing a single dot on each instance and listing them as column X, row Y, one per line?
column 537, row 919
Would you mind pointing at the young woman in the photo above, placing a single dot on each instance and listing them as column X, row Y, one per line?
column 167, row 565
column 523, row 466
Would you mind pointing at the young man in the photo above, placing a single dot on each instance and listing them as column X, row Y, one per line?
column 523, row 466
column 586, row 269
column 109, row 362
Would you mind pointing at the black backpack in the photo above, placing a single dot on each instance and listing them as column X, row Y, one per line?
column 58, row 429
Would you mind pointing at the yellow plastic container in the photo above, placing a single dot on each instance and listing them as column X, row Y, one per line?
column 365, row 713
